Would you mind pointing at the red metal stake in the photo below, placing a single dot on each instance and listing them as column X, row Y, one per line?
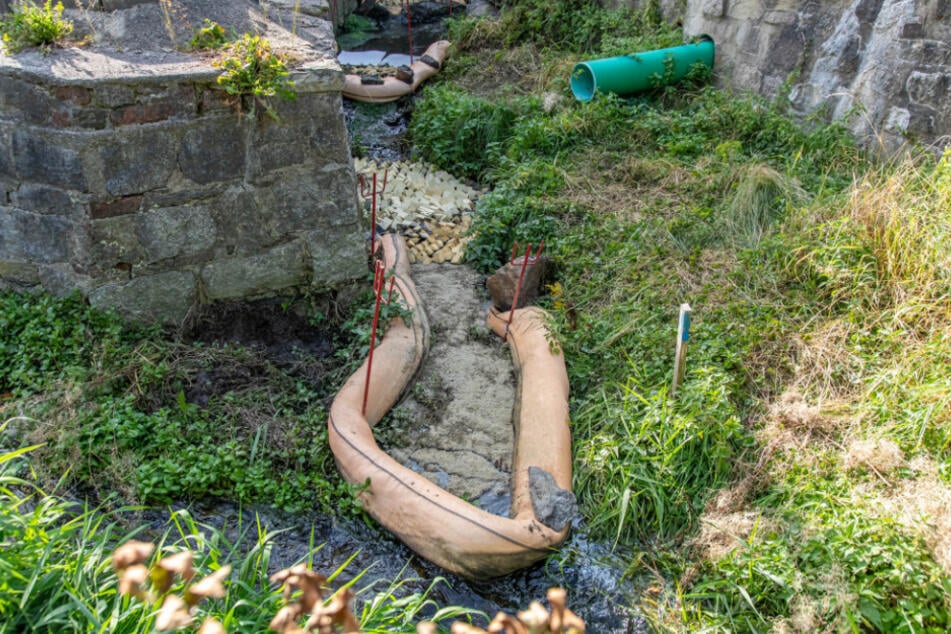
column 518, row 288
column 377, row 288
column 409, row 31
column 373, row 194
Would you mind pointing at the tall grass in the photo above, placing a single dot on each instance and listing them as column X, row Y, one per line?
column 648, row 463
column 56, row 576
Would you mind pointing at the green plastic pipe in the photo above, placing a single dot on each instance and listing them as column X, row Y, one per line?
column 636, row 72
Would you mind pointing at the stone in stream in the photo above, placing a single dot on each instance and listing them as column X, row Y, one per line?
column 501, row 285
column 554, row 507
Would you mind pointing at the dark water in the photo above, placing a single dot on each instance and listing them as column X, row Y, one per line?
column 593, row 575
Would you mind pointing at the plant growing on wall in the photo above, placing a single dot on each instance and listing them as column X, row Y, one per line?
column 32, row 25
column 212, row 36
column 251, row 69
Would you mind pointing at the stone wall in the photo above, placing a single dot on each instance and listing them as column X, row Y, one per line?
column 671, row 10
column 131, row 177
column 883, row 65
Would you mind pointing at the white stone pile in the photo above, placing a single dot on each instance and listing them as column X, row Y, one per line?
column 429, row 207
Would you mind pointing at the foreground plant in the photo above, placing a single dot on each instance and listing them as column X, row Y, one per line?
column 152, row 585
column 535, row 620
column 32, row 25
column 253, row 70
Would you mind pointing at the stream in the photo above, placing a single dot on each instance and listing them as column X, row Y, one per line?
column 592, row 573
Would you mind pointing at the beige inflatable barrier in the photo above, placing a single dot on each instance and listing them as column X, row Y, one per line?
column 434, row 523
column 392, row 88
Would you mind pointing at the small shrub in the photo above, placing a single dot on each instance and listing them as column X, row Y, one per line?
column 32, row 25
column 251, row 69
column 212, row 36
column 760, row 201
column 460, row 133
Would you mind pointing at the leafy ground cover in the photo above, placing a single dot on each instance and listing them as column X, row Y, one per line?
column 133, row 414
column 799, row 480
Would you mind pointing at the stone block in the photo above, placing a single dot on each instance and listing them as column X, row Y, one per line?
column 780, row 17
column 309, row 199
column 140, row 113
column 78, row 95
column 307, row 7
column 179, row 194
column 335, row 257
column 273, row 270
column 912, row 29
column 137, row 160
column 116, row 5
column 44, row 159
column 163, row 297
column 276, row 145
column 929, row 89
column 24, row 99
column 29, row 237
column 245, row 219
column 212, row 101
column 19, row 274
column 329, row 142
column 118, row 207
column 714, row 8
column 214, row 150
column 43, row 199
column 114, row 244
column 6, row 156
column 62, row 280
column 113, row 95
column 75, row 117
column 897, row 120
column 176, row 231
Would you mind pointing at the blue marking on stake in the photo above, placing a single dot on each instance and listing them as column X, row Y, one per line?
column 685, row 326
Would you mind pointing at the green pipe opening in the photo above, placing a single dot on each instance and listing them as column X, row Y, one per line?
column 636, row 72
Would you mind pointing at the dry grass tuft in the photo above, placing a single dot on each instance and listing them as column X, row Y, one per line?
column 721, row 533
column 826, row 368
column 923, row 505
column 880, row 455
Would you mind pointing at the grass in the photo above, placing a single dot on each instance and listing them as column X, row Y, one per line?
column 57, row 577
column 799, row 481
column 129, row 413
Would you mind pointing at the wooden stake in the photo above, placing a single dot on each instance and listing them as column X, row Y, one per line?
column 680, row 354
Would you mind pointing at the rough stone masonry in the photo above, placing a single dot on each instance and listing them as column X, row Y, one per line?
column 127, row 174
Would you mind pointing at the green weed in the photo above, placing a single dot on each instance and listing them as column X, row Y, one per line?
column 31, row 25
column 55, row 564
column 250, row 69
column 211, row 36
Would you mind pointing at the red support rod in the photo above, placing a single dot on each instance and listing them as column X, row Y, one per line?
column 409, row 31
column 373, row 220
column 373, row 194
column 518, row 288
column 377, row 288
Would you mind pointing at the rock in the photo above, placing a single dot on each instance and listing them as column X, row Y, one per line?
column 164, row 297
column 554, row 507
column 501, row 285
column 883, row 59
